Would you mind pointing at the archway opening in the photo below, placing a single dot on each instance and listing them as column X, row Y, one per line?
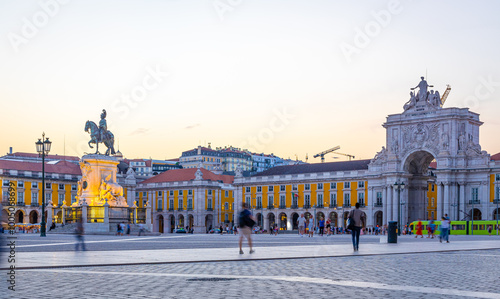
column 33, row 217
column 476, row 214
column 283, row 219
column 19, row 217
column 209, row 222
column 319, row 216
column 415, row 205
column 272, row 220
column 379, row 219
column 160, row 224
column 172, row 223
column 496, row 214
column 259, row 219
column 181, row 221
column 295, row 225
column 334, row 219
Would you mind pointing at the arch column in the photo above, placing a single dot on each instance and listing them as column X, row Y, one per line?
column 461, row 192
column 446, row 199
column 395, row 204
column 289, row 225
column 439, row 201
column 384, row 205
column 370, row 202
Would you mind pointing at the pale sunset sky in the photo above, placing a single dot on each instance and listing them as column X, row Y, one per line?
column 287, row 77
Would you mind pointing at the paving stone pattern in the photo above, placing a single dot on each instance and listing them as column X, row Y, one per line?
column 476, row 271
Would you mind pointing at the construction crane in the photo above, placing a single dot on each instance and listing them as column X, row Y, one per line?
column 445, row 94
column 322, row 154
column 347, row 155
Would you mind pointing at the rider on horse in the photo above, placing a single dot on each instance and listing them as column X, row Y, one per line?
column 103, row 126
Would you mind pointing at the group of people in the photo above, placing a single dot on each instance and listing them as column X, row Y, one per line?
column 444, row 229
column 122, row 228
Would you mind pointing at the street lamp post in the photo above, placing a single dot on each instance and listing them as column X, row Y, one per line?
column 399, row 186
column 43, row 149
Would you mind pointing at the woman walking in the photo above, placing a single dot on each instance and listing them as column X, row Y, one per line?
column 311, row 226
column 419, row 229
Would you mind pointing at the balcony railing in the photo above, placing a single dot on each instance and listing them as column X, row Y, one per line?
column 320, row 206
column 270, row 207
column 159, row 210
column 20, row 204
column 180, row 209
column 474, row 202
column 170, row 209
column 378, row 205
column 333, row 206
column 190, row 208
column 210, row 209
column 347, row 205
column 307, row 206
column 35, row 204
column 496, row 201
column 282, row 206
column 295, row 206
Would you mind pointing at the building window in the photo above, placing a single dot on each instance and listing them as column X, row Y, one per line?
column 209, row 192
column 159, row 193
column 160, row 204
column 227, row 193
column 497, row 177
column 73, row 198
column 282, row 201
column 48, row 196
column 361, row 184
column 144, row 194
column 181, row 204
column 259, row 202
column 180, row 193
column 475, row 194
column 259, row 188
column 247, row 190
column 294, row 187
column 282, row 188
column 136, row 194
column 226, row 206
column 61, row 186
column 333, row 200
column 171, row 192
column 209, row 204
column 432, row 202
column 60, row 199
column 20, row 184
column 307, row 200
column 307, row 187
column 333, row 185
column 361, row 198
column 190, row 192
column 270, row 201
column 379, row 198
column 20, row 197
column 347, row 200
column 320, row 186
column 271, row 188
column 319, row 201
column 6, row 183
column 497, row 193
column 347, row 185
column 34, row 197
column 432, row 187
column 34, row 185
column 226, row 218
column 48, row 186
column 190, row 203
column 73, row 187
column 171, row 204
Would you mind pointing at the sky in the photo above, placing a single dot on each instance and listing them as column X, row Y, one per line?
column 289, row 77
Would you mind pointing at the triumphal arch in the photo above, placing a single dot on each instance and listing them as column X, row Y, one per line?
column 432, row 147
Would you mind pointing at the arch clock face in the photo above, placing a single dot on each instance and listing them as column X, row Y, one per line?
column 84, row 185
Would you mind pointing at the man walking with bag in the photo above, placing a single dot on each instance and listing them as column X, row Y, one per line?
column 247, row 221
column 357, row 222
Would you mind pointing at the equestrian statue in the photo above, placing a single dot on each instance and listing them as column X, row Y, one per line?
column 100, row 134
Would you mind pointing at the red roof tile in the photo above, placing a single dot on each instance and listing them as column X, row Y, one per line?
column 188, row 174
column 61, row 167
column 496, row 157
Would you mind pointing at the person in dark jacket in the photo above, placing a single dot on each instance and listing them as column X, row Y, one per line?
column 359, row 218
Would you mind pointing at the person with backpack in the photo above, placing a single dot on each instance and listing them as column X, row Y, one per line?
column 358, row 219
column 247, row 221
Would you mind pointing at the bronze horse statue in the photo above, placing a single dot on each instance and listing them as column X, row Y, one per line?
column 95, row 137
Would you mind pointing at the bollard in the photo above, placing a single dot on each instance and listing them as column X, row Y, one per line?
column 392, row 234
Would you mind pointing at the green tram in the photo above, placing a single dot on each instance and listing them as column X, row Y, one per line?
column 459, row 227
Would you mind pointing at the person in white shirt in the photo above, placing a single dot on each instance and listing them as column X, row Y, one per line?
column 301, row 224
column 445, row 229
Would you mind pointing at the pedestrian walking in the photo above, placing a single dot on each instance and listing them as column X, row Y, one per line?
column 419, row 230
column 311, row 226
column 247, row 221
column 301, row 223
column 359, row 218
column 490, row 228
column 321, row 226
column 128, row 228
column 432, row 229
column 141, row 229
column 79, row 232
column 445, row 230
column 328, row 227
